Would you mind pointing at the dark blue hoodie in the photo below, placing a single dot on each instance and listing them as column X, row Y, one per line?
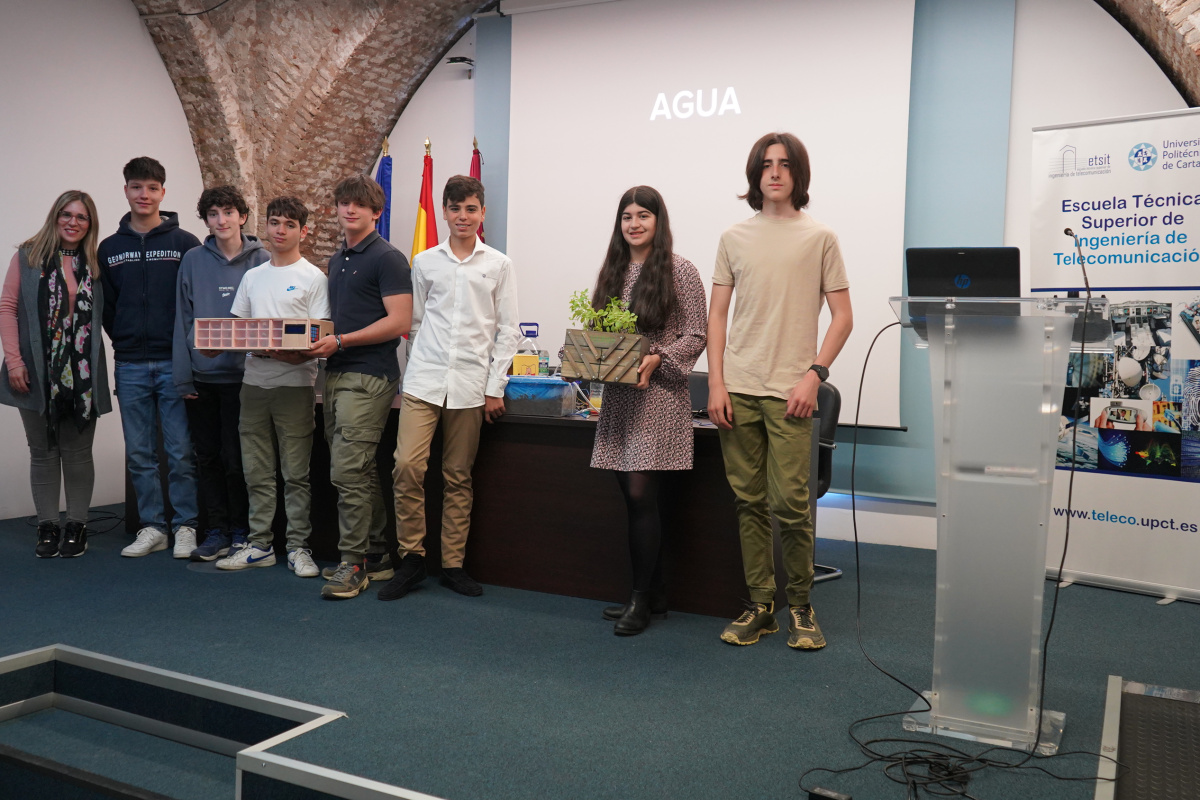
column 139, row 273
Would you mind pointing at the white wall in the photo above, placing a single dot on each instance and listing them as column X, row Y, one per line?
column 84, row 91
column 443, row 111
column 1072, row 61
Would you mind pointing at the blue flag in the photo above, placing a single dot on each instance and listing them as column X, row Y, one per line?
column 383, row 176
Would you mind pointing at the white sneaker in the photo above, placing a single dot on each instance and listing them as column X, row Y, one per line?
column 185, row 541
column 149, row 540
column 300, row 562
column 248, row 555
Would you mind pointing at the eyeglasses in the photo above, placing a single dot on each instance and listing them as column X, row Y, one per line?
column 67, row 216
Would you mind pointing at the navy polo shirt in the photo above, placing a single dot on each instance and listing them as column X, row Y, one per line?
column 359, row 278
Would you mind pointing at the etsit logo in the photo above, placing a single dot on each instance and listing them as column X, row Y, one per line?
column 686, row 103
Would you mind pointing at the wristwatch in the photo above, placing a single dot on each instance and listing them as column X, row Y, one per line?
column 822, row 372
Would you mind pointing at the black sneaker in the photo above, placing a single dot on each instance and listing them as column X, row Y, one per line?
column 457, row 579
column 411, row 572
column 48, row 535
column 379, row 566
column 74, row 541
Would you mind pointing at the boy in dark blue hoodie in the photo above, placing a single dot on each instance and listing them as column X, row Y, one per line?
column 210, row 381
column 139, row 265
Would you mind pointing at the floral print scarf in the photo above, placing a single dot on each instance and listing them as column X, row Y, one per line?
column 67, row 339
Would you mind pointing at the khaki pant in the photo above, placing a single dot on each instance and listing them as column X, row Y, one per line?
column 460, row 441
column 767, row 460
column 278, row 422
column 356, row 408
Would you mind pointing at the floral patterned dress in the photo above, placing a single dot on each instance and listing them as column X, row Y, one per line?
column 651, row 429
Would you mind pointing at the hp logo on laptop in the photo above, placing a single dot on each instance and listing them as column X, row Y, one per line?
column 962, row 280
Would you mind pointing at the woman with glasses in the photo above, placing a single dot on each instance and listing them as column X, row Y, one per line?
column 54, row 370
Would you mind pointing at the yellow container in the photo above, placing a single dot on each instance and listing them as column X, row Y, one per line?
column 525, row 364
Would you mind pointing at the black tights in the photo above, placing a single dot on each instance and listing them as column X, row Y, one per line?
column 642, row 491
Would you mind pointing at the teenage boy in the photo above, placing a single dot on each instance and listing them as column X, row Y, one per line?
column 370, row 299
column 464, row 334
column 277, row 394
column 209, row 381
column 763, row 379
column 139, row 265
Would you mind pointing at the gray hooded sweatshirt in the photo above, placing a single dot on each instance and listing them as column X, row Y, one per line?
column 206, row 286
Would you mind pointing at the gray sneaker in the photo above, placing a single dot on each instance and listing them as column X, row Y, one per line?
column 381, row 570
column 803, row 631
column 346, row 582
column 756, row 620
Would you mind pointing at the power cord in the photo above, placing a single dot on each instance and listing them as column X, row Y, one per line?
column 93, row 524
column 935, row 767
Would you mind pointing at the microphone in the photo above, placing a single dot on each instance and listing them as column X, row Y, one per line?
column 1079, row 251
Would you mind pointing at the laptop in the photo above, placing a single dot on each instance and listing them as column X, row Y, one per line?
column 962, row 272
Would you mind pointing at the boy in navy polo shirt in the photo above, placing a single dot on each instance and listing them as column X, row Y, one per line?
column 139, row 265
column 370, row 300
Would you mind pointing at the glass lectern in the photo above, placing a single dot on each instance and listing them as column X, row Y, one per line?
column 998, row 368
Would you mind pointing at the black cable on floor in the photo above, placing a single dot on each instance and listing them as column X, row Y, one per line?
column 936, row 768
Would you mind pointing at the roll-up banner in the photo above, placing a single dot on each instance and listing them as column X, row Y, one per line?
column 1129, row 188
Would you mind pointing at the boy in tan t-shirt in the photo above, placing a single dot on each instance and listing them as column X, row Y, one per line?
column 763, row 379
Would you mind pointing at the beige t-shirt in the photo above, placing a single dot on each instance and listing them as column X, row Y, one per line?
column 780, row 270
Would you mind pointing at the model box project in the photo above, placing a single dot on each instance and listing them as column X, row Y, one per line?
column 259, row 334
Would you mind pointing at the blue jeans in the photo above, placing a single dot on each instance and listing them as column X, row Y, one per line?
column 146, row 390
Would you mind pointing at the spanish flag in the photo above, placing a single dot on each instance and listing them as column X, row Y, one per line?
column 425, row 234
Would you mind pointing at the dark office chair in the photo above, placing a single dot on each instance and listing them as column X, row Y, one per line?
column 829, row 403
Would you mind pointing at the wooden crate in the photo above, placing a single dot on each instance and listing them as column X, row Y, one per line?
column 259, row 334
column 603, row 357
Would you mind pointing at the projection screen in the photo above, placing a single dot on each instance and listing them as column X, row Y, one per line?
column 673, row 93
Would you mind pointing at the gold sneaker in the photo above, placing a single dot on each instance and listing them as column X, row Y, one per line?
column 756, row 620
column 803, row 631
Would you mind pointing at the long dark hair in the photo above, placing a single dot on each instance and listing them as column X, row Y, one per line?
column 653, row 298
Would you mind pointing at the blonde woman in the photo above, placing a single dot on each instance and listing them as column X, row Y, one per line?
column 54, row 370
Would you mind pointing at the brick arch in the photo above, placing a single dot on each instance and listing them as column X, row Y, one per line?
column 290, row 97
column 1168, row 30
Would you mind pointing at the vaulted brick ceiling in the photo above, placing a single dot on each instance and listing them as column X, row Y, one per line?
column 289, row 97
column 1167, row 29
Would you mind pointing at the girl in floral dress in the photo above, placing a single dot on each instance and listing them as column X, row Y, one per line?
column 646, row 429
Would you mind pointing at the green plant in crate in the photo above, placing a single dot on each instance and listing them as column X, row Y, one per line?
column 608, row 348
column 613, row 318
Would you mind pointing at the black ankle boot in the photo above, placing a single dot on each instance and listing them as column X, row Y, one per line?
column 658, row 606
column 636, row 617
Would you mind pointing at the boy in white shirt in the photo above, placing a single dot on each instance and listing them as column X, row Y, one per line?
column 277, row 394
column 464, row 335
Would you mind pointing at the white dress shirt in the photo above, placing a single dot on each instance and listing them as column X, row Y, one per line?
column 464, row 326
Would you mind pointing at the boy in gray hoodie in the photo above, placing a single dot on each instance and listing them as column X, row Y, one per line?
column 210, row 381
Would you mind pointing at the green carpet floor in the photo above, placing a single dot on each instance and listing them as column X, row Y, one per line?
column 519, row 695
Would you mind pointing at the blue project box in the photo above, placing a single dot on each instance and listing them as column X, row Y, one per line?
column 539, row 396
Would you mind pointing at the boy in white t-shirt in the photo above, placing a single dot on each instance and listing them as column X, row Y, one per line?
column 277, row 394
